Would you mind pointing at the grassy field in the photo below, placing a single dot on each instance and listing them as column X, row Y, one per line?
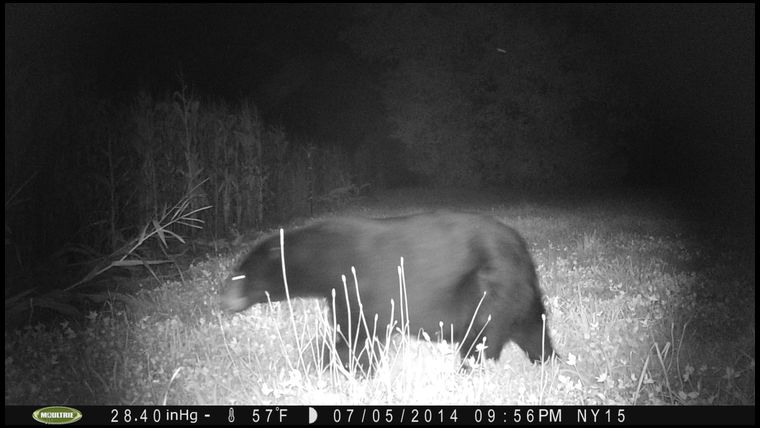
column 645, row 306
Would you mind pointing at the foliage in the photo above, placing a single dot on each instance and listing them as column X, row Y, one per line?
column 66, row 301
column 128, row 161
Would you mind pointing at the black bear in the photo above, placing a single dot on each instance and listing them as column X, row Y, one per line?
column 450, row 261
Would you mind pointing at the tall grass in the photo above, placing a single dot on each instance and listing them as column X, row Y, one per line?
column 133, row 162
column 128, row 161
column 68, row 300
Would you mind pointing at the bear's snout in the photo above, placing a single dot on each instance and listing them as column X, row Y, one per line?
column 234, row 297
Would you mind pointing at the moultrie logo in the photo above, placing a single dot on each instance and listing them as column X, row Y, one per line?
column 57, row 415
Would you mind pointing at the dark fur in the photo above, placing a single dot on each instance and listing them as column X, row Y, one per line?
column 450, row 259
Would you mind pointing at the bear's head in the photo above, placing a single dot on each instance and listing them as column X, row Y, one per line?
column 259, row 273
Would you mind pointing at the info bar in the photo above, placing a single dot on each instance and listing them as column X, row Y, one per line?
column 417, row 415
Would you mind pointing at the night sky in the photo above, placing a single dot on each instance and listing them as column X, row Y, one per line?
column 323, row 73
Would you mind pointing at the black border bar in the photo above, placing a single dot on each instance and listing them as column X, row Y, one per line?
column 397, row 415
